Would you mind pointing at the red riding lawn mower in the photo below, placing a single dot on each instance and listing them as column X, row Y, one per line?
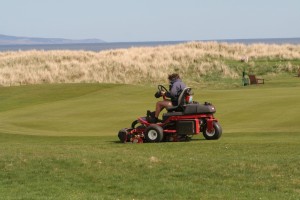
column 180, row 123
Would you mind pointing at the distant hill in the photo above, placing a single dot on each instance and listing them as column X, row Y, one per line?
column 14, row 40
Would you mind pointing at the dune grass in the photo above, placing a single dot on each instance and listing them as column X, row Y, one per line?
column 199, row 63
column 59, row 141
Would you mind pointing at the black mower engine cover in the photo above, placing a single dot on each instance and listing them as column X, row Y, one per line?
column 195, row 108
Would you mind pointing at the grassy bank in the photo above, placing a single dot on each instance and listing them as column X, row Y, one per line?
column 199, row 63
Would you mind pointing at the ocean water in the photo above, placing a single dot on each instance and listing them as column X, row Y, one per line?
column 125, row 45
column 86, row 46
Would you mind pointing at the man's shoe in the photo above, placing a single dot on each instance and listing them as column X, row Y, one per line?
column 153, row 120
column 150, row 114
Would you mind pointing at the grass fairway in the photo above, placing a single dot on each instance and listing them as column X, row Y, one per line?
column 59, row 142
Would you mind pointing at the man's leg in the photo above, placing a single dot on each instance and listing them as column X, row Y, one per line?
column 160, row 105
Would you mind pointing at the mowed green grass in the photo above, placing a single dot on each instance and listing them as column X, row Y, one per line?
column 60, row 142
column 103, row 109
column 72, row 110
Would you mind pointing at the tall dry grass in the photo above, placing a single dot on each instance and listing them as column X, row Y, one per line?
column 141, row 65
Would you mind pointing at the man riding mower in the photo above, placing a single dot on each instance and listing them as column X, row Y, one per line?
column 180, row 123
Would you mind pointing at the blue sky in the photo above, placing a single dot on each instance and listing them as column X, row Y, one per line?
column 151, row 20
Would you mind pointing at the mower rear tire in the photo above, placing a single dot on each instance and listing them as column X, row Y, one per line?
column 154, row 133
column 215, row 133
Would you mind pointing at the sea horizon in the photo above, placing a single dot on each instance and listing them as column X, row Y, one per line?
column 125, row 45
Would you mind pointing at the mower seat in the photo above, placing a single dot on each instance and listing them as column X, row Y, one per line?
column 181, row 102
column 171, row 114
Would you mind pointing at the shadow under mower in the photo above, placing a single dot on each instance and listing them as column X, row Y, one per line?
column 180, row 122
